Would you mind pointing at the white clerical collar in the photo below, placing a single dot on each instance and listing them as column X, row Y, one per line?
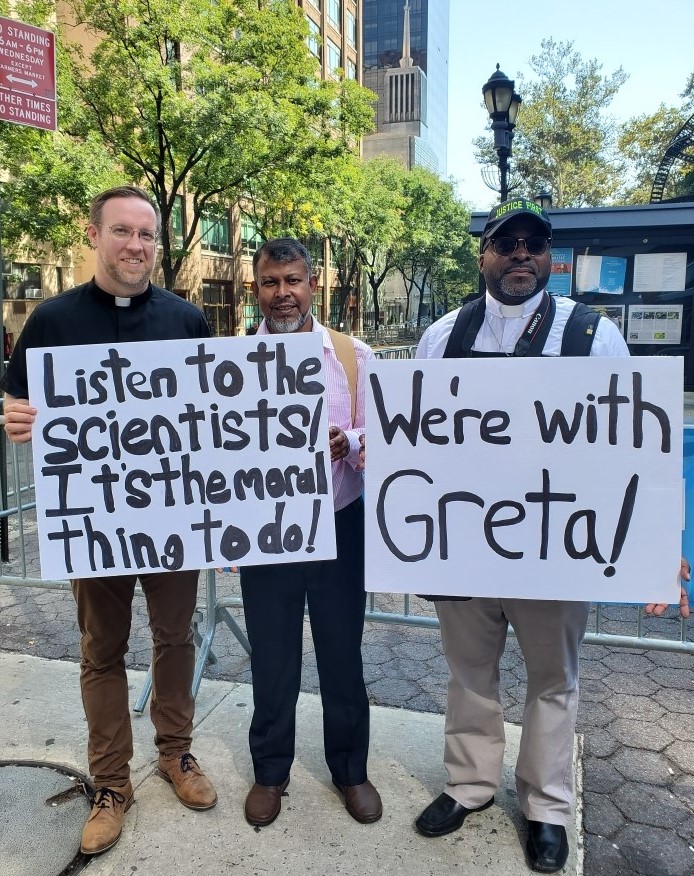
column 122, row 302
column 512, row 311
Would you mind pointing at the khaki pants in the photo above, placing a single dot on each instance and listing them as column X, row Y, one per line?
column 549, row 634
column 104, row 612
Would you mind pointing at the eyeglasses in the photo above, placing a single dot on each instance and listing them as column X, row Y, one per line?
column 506, row 246
column 125, row 232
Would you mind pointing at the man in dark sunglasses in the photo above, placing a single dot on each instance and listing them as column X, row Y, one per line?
column 516, row 317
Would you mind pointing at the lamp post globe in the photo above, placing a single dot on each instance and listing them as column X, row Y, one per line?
column 502, row 104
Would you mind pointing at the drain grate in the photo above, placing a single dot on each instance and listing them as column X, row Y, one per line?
column 43, row 807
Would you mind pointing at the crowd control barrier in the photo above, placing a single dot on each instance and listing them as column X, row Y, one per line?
column 620, row 626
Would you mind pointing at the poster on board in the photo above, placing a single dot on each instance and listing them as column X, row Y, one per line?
column 655, row 324
column 530, row 478
column 600, row 275
column 186, row 454
column 561, row 272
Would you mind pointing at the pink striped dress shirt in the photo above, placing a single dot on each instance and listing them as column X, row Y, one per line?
column 347, row 482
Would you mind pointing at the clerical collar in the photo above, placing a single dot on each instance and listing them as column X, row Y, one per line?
column 512, row 311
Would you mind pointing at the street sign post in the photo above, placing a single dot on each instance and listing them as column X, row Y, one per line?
column 27, row 75
column 27, row 97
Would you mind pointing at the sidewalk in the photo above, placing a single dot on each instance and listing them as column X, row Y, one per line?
column 43, row 721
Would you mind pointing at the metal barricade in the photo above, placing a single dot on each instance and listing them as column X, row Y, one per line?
column 608, row 621
column 396, row 352
column 23, row 571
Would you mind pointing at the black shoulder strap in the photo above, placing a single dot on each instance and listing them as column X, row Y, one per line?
column 467, row 324
column 579, row 331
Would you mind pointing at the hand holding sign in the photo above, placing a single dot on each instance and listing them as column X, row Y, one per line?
column 218, row 453
column 555, row 481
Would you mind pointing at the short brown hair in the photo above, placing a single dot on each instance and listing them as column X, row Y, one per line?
column 98, row 202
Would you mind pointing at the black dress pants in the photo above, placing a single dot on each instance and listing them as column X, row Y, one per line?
column 273, row 599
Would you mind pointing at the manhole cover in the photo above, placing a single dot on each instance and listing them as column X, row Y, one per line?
column 43, row 808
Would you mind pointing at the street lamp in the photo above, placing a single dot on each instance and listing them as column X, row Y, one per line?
column 502, row 104
column 544, row 199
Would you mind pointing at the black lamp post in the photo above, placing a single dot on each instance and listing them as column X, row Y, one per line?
column 502, row 104
column 544, row 199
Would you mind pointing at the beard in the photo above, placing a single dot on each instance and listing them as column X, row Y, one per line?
column 137, row 281
column 514, row 291
column 286, row 326
column 517, row 292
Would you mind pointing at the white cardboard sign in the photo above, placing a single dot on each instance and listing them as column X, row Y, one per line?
column 530, row 478
column 187, row 454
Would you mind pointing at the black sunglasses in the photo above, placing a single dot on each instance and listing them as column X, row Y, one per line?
column 506, row 246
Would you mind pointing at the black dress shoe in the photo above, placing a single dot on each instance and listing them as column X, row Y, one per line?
column 548, row 846
column 445, row 815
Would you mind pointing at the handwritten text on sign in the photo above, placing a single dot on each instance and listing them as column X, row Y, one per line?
column 533, row 478
column 181, row 455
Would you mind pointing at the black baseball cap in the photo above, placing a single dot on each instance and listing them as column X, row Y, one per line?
column 512, row 209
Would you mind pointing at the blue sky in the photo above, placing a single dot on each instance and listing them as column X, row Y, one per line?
column 651, row 41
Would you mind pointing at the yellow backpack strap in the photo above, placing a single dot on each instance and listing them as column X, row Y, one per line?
column 347, row 357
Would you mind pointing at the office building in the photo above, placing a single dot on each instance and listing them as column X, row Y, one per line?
column 405, row 52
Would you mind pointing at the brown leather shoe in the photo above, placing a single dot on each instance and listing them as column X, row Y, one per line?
column 105, row 822
column 263, row 803
column 190, row 784
column 363, row 802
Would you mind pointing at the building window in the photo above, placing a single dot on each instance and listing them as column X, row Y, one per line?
column 250, row 238
column 215, row 229
column 335, row 13
column 351, row 69
column 335, row 309
column 21, row 281
column 317, row 304
column 173, row 61
column 178, row 220
column 252, row 317
column 315, row 3
column 313, row 40
column 351, row 29
column 216, row 302
column 314, row 245
column 334, row 56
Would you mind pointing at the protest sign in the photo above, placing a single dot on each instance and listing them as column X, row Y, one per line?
column 531, row 478
column 187, row 454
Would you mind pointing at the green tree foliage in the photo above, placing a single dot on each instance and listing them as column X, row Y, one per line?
column 564, row 140
column 435, row 242
column 200, row 98
column 48, row 178
column 364, row 208
column 643, row 142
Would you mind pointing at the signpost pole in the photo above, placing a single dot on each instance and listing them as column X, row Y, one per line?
column 4, row 522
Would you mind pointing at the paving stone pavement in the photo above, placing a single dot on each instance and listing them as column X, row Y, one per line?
column 636, row 711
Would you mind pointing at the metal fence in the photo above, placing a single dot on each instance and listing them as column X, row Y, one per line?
column 623, row 626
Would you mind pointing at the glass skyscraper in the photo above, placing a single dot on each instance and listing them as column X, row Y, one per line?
column 405, row 58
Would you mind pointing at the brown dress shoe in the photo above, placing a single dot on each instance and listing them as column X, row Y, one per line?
column 105, row 822
column 190, row 784
column 263, row 803
column 363, row 802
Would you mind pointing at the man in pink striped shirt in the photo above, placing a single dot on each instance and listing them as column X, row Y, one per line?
column 274, row 596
